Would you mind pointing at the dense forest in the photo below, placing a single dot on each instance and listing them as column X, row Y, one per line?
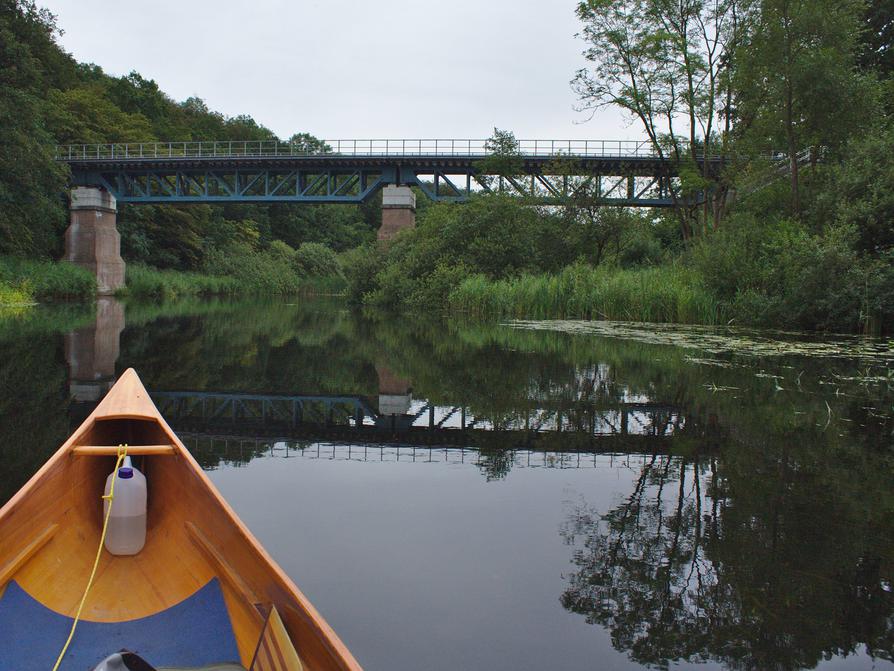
column 797, row 230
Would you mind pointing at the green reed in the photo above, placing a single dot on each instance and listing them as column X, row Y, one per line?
column 656, row 294
column 145, row 282
column 250, row 279
column 46, row 280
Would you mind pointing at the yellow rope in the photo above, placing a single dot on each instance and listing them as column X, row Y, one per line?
column 122, row 452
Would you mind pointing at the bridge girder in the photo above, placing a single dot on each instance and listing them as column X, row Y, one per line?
column 633, row 180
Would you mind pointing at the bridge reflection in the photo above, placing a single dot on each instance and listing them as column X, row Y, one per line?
column 620, row 426
column 563, row 419
column 213, row 452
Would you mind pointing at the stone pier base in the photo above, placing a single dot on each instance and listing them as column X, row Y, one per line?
column 398, row 211
column 92, row 240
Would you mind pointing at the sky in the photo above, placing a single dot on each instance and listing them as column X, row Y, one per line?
column 350, row 69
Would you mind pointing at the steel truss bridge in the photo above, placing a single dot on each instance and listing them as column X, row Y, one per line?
column 609, row 172
column 619, row 427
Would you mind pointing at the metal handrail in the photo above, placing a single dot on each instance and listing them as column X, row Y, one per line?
column 352, row 147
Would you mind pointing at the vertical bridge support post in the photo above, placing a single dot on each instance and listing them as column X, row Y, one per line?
column 398, row 211
column 92, row 240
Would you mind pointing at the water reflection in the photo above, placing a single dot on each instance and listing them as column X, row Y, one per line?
column 218, row 452
column 758, row 528
column 92, row 351
column 758, row 563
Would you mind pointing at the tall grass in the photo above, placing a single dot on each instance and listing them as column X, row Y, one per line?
column 248, row 279
column 145, row 282
column 14, row 296
column 655, row 294
column 47, row 280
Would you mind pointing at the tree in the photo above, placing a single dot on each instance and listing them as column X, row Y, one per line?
column 32, row 216
column 503, row 158
column 666, row 63
column 305, row 143
column 796, row 76
column 877, row 52
column 731, row 559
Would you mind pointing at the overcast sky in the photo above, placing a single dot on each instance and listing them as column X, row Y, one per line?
column 353, row 69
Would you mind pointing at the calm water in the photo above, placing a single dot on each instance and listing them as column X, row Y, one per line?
column 524, row 496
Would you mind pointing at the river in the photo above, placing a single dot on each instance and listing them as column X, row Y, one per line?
column 529, row 495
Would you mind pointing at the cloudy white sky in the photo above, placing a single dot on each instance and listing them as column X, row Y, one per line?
column 353, row 69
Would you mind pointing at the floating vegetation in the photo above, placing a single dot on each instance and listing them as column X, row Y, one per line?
column 726, row 340
column 720, row 363
column 717, row 387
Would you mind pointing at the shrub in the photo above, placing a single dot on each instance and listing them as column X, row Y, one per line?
column 494, row 235
column 315, row 260
column 640, row 251
column 255, row 271
column 775, row 272
column 361, row 266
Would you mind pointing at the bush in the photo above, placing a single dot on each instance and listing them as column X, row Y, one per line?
column 497, row 236
column 255, row 271
column 315, row 260
column 857, row 192
column 640, row 251
column 361, row 266
column 775, row 272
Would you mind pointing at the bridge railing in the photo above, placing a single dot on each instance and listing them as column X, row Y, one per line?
column 370, row 147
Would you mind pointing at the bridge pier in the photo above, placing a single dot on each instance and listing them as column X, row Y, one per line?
column 398, row 211
column 92, row 240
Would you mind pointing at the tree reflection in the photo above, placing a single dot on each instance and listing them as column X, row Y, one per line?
column 763, row 568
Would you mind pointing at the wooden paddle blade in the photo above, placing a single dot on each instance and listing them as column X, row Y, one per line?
column 275, row 650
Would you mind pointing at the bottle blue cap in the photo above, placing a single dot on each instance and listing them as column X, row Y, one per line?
column 125, row 473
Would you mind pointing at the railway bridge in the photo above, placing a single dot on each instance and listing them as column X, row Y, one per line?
column 609, row 172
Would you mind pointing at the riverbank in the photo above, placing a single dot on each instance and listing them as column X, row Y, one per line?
column 25, row 281
column 828, row 268
column 151, row 283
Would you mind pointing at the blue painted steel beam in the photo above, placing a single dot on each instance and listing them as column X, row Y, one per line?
column 634, row 180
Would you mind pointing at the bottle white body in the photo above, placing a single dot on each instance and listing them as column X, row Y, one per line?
column 126, row 534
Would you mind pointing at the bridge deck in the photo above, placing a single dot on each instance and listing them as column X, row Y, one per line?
column 354, row 170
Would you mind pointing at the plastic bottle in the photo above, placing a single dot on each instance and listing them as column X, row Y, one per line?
column 126, row 534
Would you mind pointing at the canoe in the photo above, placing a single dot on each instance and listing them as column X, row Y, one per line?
column 202, row 593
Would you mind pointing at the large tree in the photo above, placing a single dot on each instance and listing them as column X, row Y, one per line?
column 666, row 63
column 32, row 216
column 796, row 82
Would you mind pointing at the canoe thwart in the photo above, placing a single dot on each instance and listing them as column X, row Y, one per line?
column 112, row 450
column 9, row 569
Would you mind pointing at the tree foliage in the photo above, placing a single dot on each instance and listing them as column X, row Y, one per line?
column 667, row 64
column 46, row 97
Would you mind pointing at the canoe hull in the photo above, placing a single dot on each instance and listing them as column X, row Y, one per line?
column 50, row 530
